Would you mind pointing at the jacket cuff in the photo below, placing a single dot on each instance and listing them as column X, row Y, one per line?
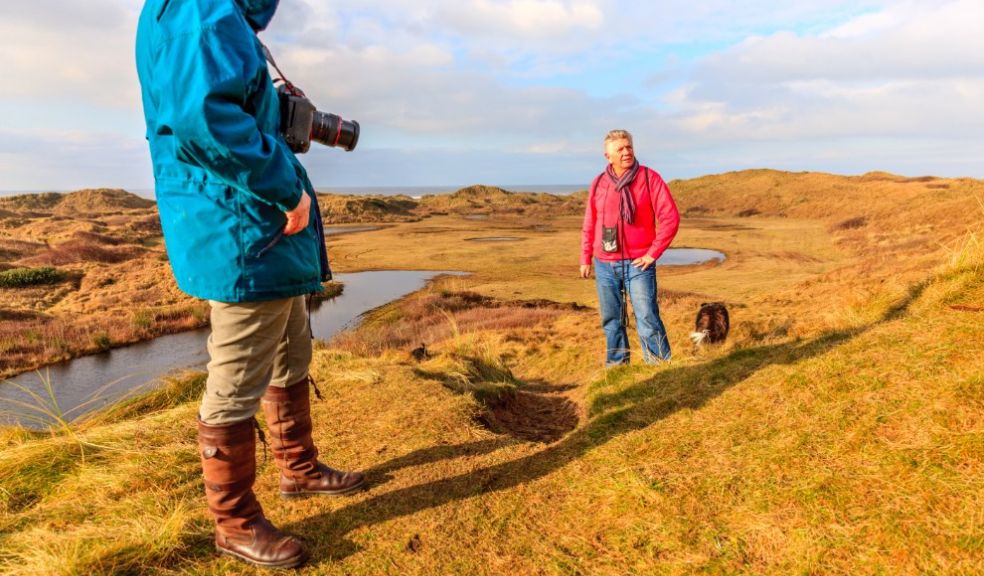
column 293, row 198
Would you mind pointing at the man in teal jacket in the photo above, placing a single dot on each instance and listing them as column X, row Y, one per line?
column 242, row 230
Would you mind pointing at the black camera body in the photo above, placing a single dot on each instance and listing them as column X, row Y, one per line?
column 301, row 122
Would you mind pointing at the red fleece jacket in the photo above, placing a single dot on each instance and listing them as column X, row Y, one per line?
column 656, row 218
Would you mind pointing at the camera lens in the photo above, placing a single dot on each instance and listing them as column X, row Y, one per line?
column 331, row 130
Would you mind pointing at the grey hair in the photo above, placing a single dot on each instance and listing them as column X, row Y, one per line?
column 618, row 135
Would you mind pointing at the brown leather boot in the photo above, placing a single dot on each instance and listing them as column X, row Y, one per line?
column 229, row 464
column 288, row 417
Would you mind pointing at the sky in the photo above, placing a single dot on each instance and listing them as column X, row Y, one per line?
column 512, row 92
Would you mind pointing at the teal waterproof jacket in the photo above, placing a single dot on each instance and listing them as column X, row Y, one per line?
column 223, row 174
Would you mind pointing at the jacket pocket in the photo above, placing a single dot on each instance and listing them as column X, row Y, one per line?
column 269, row 245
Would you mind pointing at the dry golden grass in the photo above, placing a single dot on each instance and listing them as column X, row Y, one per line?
column 839, row 430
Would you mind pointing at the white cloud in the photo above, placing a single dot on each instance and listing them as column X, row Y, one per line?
column 524, row 18
column 933, row 40
column 507, row 89
column 913, row 71
column 81, row 51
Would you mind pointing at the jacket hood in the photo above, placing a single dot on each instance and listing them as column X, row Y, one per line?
column 258, row 12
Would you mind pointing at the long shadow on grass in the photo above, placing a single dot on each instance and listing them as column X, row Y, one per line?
column 381, row 474
column 636, row 407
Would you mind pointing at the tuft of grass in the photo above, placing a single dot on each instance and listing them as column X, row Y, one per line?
column 178, row 389
column 143, row 319
column 32, row 463
column 330, row 290
column 102, row 341
column 468, row 364
column 159, row 536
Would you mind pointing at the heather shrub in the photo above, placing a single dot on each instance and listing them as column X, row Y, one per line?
column 21, row 277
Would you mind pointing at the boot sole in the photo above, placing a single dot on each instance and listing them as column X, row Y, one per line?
column 289, row 563
column 343, row 492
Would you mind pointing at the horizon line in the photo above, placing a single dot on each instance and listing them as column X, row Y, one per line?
column 317, row 188
column 508, row 187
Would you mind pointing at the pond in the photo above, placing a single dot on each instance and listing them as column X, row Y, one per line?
column 689, row 256
column 91, row 382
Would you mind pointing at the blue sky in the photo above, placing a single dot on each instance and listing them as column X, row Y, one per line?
column 511, row 92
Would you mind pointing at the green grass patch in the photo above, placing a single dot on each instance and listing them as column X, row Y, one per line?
column 23, row 277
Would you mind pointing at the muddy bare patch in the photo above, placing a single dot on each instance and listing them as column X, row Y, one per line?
column 851, row 223
column 530, row 416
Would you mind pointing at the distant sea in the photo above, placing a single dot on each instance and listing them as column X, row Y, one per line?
column 415, row 191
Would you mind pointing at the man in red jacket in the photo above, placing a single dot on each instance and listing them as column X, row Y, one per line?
column 629, row 220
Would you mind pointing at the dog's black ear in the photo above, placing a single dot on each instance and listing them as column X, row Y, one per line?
column 702, row 304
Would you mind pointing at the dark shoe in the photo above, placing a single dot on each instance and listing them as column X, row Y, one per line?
column 228, row 455
column 288, row 417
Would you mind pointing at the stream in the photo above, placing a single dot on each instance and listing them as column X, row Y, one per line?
column 90, row 382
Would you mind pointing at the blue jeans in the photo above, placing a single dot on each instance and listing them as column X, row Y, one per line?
column 641, row 285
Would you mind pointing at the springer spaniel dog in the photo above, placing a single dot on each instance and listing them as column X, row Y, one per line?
column 712, row 324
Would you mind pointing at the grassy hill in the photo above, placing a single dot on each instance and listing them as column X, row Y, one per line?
column 345, row 209
column 488, row 200
column 475, row 200
column 95, row 200
column 877, row 197
column 839, row 430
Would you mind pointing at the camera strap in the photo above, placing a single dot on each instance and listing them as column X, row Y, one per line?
column 283, row 77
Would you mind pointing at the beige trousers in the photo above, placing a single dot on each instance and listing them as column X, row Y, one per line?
column 253, row 345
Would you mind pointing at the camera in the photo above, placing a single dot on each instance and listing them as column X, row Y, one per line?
column 301, row 122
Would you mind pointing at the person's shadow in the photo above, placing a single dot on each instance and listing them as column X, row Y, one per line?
column 610, row 415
